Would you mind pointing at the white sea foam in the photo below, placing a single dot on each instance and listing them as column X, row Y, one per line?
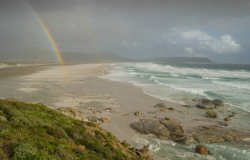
column 234, row 84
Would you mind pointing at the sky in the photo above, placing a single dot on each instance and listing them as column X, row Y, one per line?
column 217, row 29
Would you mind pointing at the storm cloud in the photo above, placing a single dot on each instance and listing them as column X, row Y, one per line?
column 131, row 28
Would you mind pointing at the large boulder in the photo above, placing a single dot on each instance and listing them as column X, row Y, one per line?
column 176, row 130
column 160, row 106
column 168, row 128
column 211, row 114
column 227, row 119
column 218, row 103
column 211, row 134
column 205, row 105
column 206, row 101
column 197, row 99
column 201, row 149
column 144, row 153
column 185, row 99
column 148, row 126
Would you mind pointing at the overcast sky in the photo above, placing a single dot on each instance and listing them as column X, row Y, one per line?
column 217, row 29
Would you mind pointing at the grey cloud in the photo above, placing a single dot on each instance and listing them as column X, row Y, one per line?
column 132, row 28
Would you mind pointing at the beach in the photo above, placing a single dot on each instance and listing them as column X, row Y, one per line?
column 85, row 88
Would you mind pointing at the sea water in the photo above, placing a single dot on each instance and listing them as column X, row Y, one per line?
column 172, row 82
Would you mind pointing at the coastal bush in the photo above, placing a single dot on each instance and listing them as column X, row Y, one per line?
column 24, row 152
column 34, row 131
column 20, row 121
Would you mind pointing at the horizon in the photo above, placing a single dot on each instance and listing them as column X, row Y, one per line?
column 141, row 29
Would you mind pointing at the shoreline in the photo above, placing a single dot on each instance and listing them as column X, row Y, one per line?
column 124, row 98
column 87, row 92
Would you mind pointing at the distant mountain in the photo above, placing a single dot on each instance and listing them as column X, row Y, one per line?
column 43, row 55
column 37, row 55
column 179, row 60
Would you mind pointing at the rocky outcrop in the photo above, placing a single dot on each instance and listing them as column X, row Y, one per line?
column 161, row 106
column 137, row 113
column 201, row 149
column 187, row 106
column 227, row 119
column 206, row 101
column 197, row 99
column 148, row 126
column 185, row 99
column 205, row 105
column 168, row 128
column 211, row 114
column 218, row 103
column 187, row 140
column 212, row 134
column 104, row 120
column 144, row 153
column 74, row 113
column 171, row 109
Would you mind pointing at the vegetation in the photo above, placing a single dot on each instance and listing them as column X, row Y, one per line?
column 34, row 132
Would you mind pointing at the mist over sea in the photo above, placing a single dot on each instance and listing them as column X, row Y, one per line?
column 172, row 82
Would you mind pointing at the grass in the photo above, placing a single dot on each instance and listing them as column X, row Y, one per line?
column 36, row 132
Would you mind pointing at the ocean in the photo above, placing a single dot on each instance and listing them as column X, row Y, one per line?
column 174, row 81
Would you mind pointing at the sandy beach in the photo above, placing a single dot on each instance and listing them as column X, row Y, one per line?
column 80, row 88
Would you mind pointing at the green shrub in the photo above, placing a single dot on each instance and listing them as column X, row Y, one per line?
column 20, row 121
column 24, row 152
column 6, row 134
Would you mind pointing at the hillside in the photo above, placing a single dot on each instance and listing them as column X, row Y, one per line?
column 179, row 60
column 38, row 55
column 34, row 131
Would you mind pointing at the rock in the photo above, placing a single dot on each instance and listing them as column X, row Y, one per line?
column 231, row 115
column 227, row 119
column 137, row 113
column 145, row 154
column 187, row 141
column 3, row 118
column 196, row 99
column 177, row 132
column 223, row 123
column 210, row 153
column 92, row 119
column 125, row 115
column 211, row 134
column 104, row 120
column 148, row 126
column 162, row 110
column 74, row 113
column 187, row 106
column 205, row 105
column 160, row 106
column 201, row 149
column 172, row 109
column 185, row 99
column 125, row 143
column 218, row 103
column 206, row 101
column 168, row 128
column 211, row 114
column 152, row 112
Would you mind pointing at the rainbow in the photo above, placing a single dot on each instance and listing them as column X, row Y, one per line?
column 49, row 37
